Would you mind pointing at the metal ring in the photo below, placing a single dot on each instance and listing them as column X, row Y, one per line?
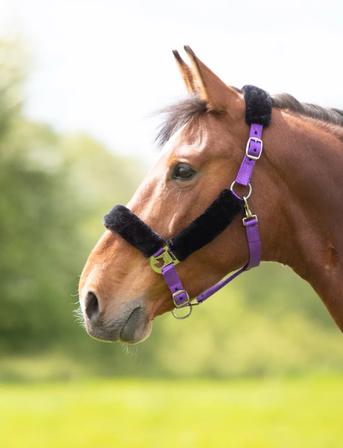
column 232, row 188
column 183, row 316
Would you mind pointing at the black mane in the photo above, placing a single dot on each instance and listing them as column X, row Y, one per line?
column 183, row 112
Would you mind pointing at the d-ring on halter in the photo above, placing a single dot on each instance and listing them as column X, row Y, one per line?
column 165, row 255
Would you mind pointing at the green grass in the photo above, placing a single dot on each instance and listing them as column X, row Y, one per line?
column 300, row 412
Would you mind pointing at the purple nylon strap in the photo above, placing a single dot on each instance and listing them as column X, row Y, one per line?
column 252, row 153
column 254, row 246
column 180, row 296
column 250, row 222
column 254, row 241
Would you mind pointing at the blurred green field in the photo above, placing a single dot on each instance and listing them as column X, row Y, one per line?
column 251, row 413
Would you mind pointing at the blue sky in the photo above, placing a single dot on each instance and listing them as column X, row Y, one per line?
column 105, row 66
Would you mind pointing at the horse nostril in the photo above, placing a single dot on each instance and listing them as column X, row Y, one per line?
column 91, row 306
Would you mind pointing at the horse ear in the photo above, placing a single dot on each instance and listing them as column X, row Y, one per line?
column 213, row 90
column 185, row 72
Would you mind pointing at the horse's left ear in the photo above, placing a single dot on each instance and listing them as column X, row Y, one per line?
column 218, row 96
column 186, row 73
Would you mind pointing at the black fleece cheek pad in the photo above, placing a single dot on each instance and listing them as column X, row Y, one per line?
column 199, row 233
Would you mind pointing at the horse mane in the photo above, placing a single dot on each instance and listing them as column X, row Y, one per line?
column 179, row 114
column 325, row 114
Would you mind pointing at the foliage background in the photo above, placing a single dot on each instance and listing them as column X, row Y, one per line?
column 260, row 366
column 55, row 188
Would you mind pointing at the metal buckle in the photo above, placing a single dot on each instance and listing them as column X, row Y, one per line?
column 256, row 140
column 177, row 293
column 187, row 305
column 166, row 257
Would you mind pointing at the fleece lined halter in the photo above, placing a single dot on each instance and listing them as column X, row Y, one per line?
column 165, row 255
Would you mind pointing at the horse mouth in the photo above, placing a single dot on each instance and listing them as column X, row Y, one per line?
column 137, row 326
column 132, row 329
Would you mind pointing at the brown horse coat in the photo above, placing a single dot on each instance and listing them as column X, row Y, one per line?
column 297, row 196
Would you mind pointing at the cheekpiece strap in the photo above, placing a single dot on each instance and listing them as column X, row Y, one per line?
column 253, row 152
column 258, row 114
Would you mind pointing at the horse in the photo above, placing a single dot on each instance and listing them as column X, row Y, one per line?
column 297, row 185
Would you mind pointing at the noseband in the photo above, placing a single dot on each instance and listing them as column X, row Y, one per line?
column 165, row 255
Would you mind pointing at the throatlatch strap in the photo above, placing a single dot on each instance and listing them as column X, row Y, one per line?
column 254, row 247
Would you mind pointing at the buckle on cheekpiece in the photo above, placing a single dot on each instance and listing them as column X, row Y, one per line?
column 254, row 148
column 162, row 258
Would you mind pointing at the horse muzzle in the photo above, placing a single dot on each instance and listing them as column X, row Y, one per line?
column 130, row 324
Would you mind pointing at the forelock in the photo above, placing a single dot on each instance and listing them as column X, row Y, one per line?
column 178, row 115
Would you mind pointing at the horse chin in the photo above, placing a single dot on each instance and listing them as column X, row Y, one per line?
column 137, row 328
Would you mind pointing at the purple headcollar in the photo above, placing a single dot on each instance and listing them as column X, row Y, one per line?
column 165, row 255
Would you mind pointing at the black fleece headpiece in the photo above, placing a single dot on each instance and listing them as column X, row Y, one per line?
column 258, row 106
column 208, row 225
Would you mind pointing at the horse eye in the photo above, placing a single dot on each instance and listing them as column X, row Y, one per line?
column 183, row 171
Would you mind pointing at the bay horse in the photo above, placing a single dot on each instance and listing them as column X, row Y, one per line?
column 297, row 186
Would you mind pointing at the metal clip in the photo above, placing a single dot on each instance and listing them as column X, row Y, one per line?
column 248, row 213
column 166, row 257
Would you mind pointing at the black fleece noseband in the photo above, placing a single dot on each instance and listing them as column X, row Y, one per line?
column 200, row 232
column 208, row 225
column 121, row 220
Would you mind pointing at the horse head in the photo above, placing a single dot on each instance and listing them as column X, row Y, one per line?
column 203, row 142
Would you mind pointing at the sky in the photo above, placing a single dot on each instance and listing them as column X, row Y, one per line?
column 105, row 66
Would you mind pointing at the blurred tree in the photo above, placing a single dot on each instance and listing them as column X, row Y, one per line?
column 52, row 198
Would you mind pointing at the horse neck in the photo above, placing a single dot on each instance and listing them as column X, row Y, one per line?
column 306, row 159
